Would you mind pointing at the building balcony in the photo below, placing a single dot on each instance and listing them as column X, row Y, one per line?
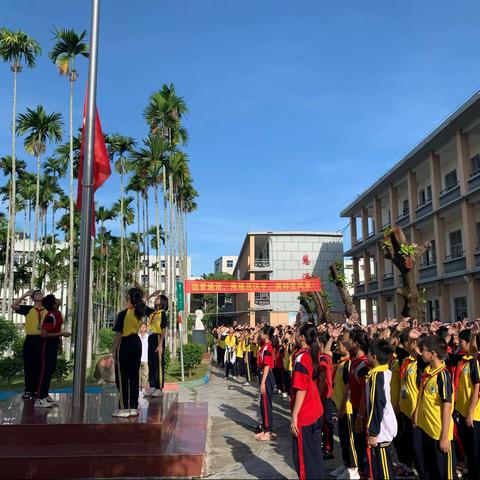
column 424, row 209
column 449, row 194
column 373, row 284
column 474, row 180
column 427, row 270
column 403, row 219
column 263, row 265
column 371, row 235
column 358, row 241
column 359, row 288
column 387, row 225
column 477, row 257
column 262, row 300
column 388, row 280
column 455, row 263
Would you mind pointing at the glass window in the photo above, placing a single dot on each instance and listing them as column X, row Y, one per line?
column 451, row 180
column 477, row 228
column 163, row 263
column 229, row 263
column 429, row 193
column 421, row 197
column 460, row 307
column 475, row 164
column 405, row 207
column 456, row 244
column 145, row 280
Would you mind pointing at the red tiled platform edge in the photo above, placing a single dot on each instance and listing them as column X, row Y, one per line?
column 166, row 440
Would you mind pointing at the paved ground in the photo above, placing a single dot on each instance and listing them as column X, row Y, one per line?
column 232, row 452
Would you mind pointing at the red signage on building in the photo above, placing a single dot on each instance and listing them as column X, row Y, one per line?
column 249, row 286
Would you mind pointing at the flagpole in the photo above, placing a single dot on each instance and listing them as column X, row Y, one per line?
column 83, row 287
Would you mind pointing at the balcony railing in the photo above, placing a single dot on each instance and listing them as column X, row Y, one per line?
column 455, row 262
column 370, row 235
column 403, row 219
column 360, row 288
column 450, row 193
column 261, row 263
column 388, row 280
column 262, row 299
column 474, row 180
column 428, row 269
column 358, row 241
column 477, row 257
column 424, row 208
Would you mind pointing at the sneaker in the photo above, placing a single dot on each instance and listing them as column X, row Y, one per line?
column 353, row 474
column 42, row 403
column 285, row 394
column 26, row 395
column 339, row 471
column 133, row 412
column 148, row 393
column 234, row 377
column 122, row 413
column 246, row 384
column 49, row 399
column 157, row 393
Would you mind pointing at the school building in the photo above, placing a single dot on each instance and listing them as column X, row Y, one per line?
column 283, row 256
column 433, row 193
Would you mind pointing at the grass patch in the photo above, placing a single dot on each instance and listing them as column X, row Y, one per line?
column 173, row 374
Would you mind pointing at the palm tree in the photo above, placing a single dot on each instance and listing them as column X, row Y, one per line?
column 67, row 47
column 39, row 127
column 119, row 146
column 15, row 48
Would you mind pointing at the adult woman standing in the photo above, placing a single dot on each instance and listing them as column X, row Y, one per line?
column 157, row 324
column 127, row 352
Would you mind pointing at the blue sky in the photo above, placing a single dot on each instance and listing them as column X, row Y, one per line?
column 295, row 107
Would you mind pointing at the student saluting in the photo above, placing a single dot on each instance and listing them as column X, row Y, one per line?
column 34, row 316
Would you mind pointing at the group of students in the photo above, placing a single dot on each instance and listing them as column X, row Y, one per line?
column 41, row 346
column 396, row 384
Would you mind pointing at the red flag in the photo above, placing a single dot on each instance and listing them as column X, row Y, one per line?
column 101, row 162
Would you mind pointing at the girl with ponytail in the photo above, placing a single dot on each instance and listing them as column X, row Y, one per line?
column 267, row 383
column 307, row 409
column 127, row 352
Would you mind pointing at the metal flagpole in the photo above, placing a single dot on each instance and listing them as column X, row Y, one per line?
column 83, row 288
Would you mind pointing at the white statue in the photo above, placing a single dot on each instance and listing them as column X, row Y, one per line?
column 198, row 320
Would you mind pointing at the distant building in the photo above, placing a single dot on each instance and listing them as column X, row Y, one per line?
column 225, row 264
column 148, row 276
column 283, row 256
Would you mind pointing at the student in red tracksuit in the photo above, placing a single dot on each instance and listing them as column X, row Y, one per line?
column 307, row 410
column 267, row 383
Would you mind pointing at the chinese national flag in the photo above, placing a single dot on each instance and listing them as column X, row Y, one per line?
column 101, row 163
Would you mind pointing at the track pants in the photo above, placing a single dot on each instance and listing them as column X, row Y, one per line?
column 248, row 367
column 31, row 362
column 156, row 365
column 278, row 373
column 471, row 443
column 405, row 442
column 230, row 367
column 48, row 363
column 360, row 445
column 220, row 356
column 127, row 367
column 240, row 366
column 307, row 451
column 327, row 427
column 380, row 462
column 347, row 443
column 266, row 407
column 436, row 464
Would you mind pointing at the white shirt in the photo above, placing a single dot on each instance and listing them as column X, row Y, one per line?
column 144, row 339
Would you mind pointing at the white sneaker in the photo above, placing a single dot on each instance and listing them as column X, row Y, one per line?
column 234, row 377
column 43, row 403
column 133, row 412
column 49, row 399
column 285, row 395
column 246, row 384
column 339, row 471
column 122, row 413
column 353, row 474
column 157, row 393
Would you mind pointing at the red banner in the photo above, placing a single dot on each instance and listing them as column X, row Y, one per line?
column 248, row 286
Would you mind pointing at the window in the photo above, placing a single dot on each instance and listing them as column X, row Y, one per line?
column 430, row 256
column 477, row 228
column 429, row 193
column 460, row 308
column 475, row 161
column 145, row 280
column 405, row 208
column 163, row 263
column 422, row 198
column 451, row 180
column 456, row 244
column 229, row 263
column 146, row 263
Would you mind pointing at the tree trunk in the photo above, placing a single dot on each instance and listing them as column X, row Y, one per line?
column 6, row 268
column 157, row 226
column 338, row 279
column 35, row 227
column 121, row 288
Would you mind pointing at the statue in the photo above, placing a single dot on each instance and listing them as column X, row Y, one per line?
column 198, row 320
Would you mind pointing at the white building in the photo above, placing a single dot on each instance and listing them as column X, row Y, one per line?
column 225, row 264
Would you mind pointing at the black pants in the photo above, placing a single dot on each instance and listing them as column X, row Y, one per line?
column 288, row 381
column 220, row 356
column 127, row 367
column 380, row 461
column 360, row 444
column 470, row 438
column 436, row 465
column 230, row 367
column 254, row 367
column 327, row 428
column 248, row 366
column 279, row 378
column 347, row 443
column 48, row 364
column 240, row 366
column 31, row 362
column 266, row 407
column 156, row 368
column 307, row 451
column 403, row 442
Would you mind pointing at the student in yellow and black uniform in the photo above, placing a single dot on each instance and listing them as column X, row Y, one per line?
column 254, row 347
column 230, row 353
column 157, row 324
column 247, row 359
column 433, row 414
column 127, row 352
column 34, row 316
column 239, row 361
column 467, row 405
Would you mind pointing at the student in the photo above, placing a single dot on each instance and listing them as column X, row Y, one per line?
column 278, row 371
column 288, row 345
column 247, row 358
column 239, row 361
column 254, row 347
column 325, row 388
column 143, row 334
column 49, row 348
column 157, row 322
column 433, row 413
column 341, row 398
column 127, row 352
column 467, row 404
column 267, row 383
column 34, row 316
column 381, row 419
column 230, row 353
column 307, row 410
column 221, row 346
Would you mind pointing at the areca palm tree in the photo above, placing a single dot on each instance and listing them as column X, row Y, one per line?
column 39, row 128
column 67, row 47
column 16, row 48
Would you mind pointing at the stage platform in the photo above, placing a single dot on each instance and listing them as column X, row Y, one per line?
column 167, row 439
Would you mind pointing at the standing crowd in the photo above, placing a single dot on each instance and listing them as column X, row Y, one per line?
column 405, row 397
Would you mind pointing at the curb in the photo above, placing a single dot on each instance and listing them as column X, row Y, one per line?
column 197, row 383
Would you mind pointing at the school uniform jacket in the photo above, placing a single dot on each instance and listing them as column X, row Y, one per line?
column 381, row 419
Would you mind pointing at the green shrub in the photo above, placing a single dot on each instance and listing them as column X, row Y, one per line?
column 9, row 334
column 189, row 338
column 63, row 370
column 10, row 367
column 168, row 357
column 105, row 340
column 210, row 341
column 192, row 356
